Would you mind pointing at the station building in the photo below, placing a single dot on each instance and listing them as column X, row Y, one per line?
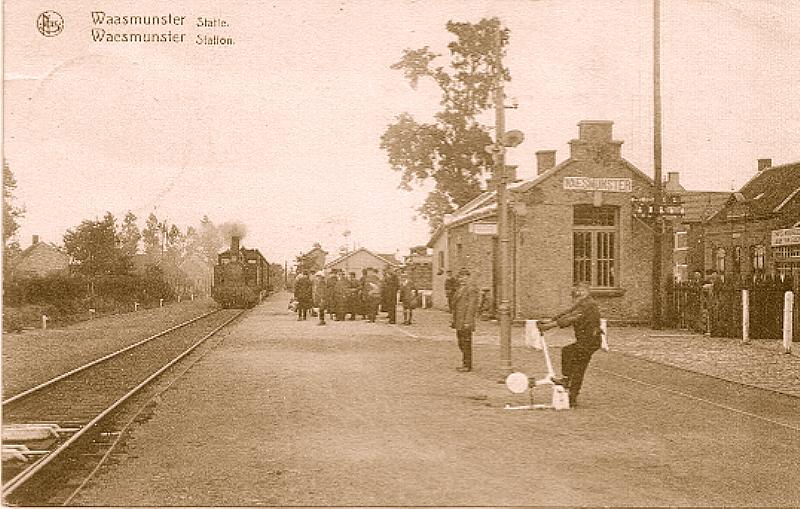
column 573, row 223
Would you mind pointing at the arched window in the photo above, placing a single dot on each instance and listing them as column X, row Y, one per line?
column 758, row 258
column 719, row 260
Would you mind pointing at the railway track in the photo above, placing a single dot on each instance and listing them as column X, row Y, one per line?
column 54, row 434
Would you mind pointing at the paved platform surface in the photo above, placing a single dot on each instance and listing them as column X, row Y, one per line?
column 288, row 413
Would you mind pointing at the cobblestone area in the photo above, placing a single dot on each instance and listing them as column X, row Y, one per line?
column 761, row 363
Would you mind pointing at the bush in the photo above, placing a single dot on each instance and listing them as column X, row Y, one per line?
column 68, row 298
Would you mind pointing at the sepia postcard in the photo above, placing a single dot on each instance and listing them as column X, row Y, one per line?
column 401, row 253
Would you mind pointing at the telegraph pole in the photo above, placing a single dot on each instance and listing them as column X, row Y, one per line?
column 657, row 191
column 500, row 175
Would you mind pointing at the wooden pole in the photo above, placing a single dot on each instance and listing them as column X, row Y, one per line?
column 788, row 309
column 657, row 198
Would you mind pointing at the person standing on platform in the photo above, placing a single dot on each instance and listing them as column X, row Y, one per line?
column 304, row 295
column 450, row 287
column 341, row 291
column 584, row 316
column 320, row 295
column 465, row 311
column 353, row 298
column 390, row 287
column 409, row 297
column 372, row 294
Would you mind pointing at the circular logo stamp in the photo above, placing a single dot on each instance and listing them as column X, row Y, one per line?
column 50, row 23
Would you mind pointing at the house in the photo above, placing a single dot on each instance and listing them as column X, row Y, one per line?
column 574, row 222
column 757, row 230
column 313, row 260
column 698, row 208
column 360, row 259
column 41, row 259
column 419, row 267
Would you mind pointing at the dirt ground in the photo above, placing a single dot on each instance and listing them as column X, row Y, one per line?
column 290, row 413
column 34, row 356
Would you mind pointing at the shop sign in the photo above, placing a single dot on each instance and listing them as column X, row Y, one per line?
column 611, row 185
column 483, row 228
column 787, row 237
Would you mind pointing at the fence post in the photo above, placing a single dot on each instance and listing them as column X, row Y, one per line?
column 44, row 321
column 788, row 308
column 91, row 313
column 604, row 334
column 192, row 297
column 161, row 303
column 745, row 315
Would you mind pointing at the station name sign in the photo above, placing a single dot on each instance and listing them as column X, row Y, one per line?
column 787, row 237
column 612, row 185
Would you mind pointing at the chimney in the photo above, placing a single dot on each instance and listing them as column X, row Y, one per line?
column 673, row 182
column 545, row 160
column 35, row 240
column 763, row 164
column 595, row 130
column 234, row 247
column 594, row 137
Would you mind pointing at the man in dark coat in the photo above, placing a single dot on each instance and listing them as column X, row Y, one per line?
column 353, row 296
column 303, row 294
column 390, row 286
column 584, row 316
column 465, row 310
column 450, row 287
column 341, row 290
column 372, row 294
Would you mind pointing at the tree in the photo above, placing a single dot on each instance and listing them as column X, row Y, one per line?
column 210, row 241
column 11, row 216
column 451, row 149
column 175, row 245
column 94, row 247
column 151, row 236
column 129, row 235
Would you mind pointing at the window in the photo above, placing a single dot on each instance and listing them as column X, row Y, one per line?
column 719, row 260
column 681, row 239
column 441, row 259
column 737, row 259
column 758, row 257
column 787, row 260
column 594, row 246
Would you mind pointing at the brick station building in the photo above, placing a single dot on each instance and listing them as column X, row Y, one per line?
column 573, row 223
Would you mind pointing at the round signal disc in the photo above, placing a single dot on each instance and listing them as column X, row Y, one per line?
column 517, row 382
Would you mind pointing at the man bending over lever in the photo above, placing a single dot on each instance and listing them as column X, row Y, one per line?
column 584, row 316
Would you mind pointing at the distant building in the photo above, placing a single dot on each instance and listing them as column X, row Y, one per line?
column 362, row 258
column 313, row 260
column 41, row 259
column 757, row 230
column 698, row 208
column 419, row 268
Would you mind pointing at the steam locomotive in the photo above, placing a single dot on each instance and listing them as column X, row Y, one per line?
column 241, row 277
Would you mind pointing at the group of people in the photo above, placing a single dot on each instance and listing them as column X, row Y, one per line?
column 341, row 296
column 463, row 300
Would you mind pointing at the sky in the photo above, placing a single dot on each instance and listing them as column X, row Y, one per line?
column 281, row 130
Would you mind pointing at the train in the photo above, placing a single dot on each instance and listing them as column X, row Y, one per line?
column 241, row 277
